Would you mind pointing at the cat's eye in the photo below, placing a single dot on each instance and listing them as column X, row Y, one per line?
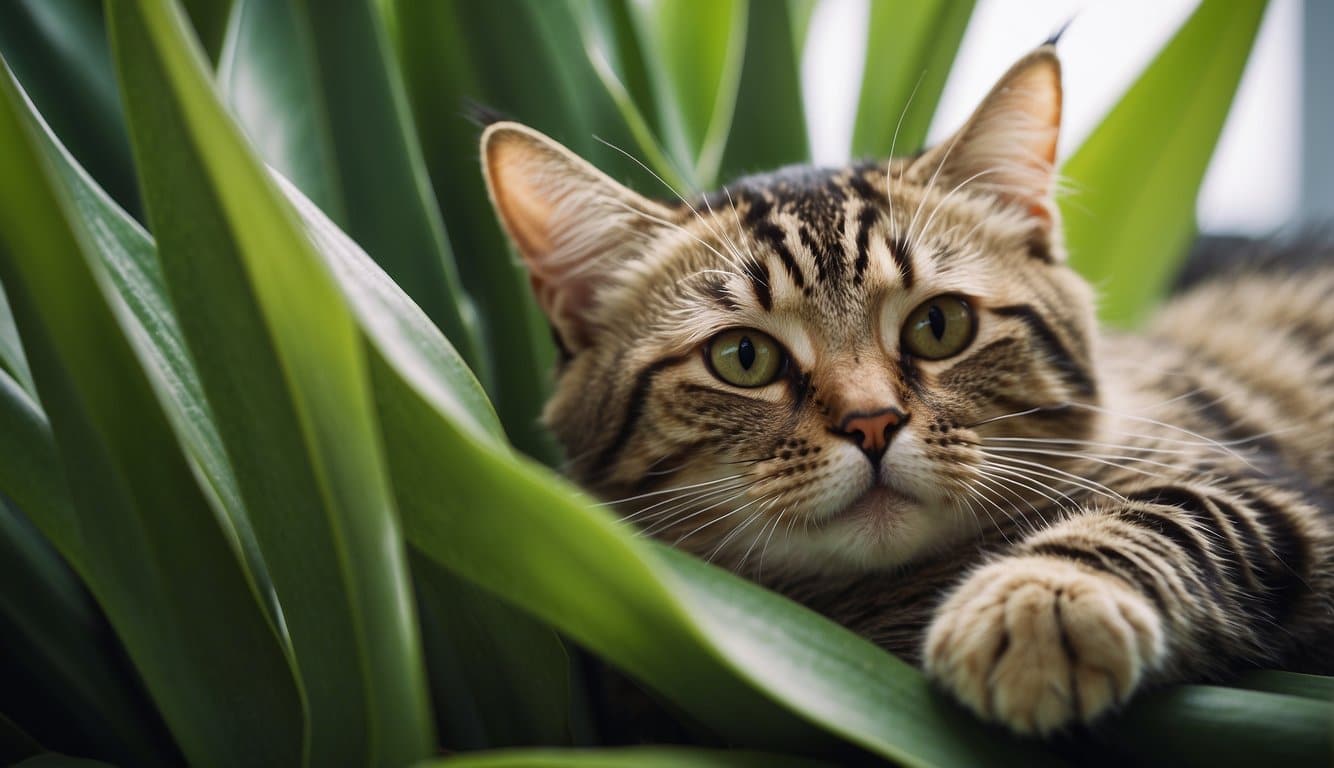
column 940, row 327
column 744, row 357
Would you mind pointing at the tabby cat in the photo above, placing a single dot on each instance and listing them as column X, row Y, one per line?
column 880, row 390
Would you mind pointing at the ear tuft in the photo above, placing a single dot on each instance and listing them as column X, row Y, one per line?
column 1008, row 145
column 572, row 224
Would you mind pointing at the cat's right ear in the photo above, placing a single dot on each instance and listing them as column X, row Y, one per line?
column 572, row 224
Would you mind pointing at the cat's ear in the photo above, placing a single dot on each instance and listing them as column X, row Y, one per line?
column 572, row 224
column 1008, row 146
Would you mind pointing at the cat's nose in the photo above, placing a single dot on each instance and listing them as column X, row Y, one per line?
column 873, row 431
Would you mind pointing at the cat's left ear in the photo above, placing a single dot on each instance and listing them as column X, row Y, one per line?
column 572, row 224
column 1008, row 146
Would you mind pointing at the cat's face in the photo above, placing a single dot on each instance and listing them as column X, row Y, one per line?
column 800, row 369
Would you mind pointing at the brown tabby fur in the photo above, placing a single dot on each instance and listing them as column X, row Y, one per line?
column 1065, row 516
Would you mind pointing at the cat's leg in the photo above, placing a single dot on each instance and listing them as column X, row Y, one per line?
column 1177, row 582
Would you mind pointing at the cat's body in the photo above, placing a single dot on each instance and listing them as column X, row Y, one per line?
column 881, row 391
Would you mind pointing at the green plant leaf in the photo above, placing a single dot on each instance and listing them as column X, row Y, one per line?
column 694, row 51
column 909, row 49
column 15, row 745
column 209, row 19
column 283, row 370
column 12, row 360
column 1130, row 212
column 30, row 470
column 1201, row 725
column 145, row 539
column 1318, row 687
column 499, row 678
column 755, row 666
column 314, row 85
column 632, row 757
column 769, row 125
column 58, row 51
column 65, row 679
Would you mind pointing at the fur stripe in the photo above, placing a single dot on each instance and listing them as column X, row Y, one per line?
column 1184, row 537
column 758, row 272
column 634, row 408
column 898, row 249
column 1072, row 370
column 1285, row 577
column 774, row 236
column 865, row 220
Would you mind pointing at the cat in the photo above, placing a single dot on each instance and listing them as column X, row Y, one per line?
column 881, row 391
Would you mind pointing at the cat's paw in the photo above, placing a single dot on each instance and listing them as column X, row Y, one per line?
column 1037, row 643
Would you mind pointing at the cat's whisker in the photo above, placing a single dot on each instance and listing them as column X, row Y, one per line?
column 1007, row 492
column 676, row 489
column 977, row 488
column 665, row 518
column 678, row 519
column 926, row 228
column 1059, row 475
column 732, row 534
column 1032, row 484
column 1099, row 458
column 756, row 539
column 890, row 178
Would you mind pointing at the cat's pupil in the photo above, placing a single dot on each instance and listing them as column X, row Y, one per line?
column 937, row 320
column 745, row 352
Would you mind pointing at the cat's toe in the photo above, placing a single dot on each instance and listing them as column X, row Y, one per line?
column 1038, row 643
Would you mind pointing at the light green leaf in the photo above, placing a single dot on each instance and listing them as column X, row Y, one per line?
column 148, row 544
column 909, row 49
column 1130, row 211
column 283, row 370
column 315, row 86
column 694, row 51
column 634, row 757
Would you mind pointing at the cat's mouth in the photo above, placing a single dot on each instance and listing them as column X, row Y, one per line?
column 879, row 502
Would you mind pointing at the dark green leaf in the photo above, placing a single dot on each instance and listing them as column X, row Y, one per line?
column 58, row 51
column 1130, row 213
column 283, row 370
column 909, row 49
column 12, row 360
column 65, row 679
column 1318, row 687
column 769, row 126
column 640, row 757
column 146, row 540
column 1198, row 725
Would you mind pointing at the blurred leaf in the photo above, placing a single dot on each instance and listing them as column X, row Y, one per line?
column 635, row 757
column 209, row 19
column 58, row 51
column 315, row 87
column 148, row 543
column 1200, row 725
column 706, row 639
column 498, row 677
column 1318, row 687
column 769, row 126
column 694, row 51
column 52, row 760
column 30, row 470
column 1130, row 213
column 12, row 360
column 15, row 745
column 283, row 370
column 64, row 678
column 910, row 47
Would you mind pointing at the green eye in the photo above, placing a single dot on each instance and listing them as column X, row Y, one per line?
column 940, row 327
column 745, row 358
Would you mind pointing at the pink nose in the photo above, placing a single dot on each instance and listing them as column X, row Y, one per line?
column 873, row 431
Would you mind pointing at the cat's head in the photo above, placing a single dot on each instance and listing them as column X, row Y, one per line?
column 806, row 362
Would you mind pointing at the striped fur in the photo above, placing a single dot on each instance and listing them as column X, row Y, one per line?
column 1063, row 517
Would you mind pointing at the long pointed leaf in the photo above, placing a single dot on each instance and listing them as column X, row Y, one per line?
column 12, row 360
column 769, row 126
column 282, row 369
column 148, row 543
column 315, row 85
column 641, row 757
column 909, row 49
column 1130, row 213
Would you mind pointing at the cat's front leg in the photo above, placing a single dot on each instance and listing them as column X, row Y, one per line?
column 1036, row 642
column 1171, row 582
